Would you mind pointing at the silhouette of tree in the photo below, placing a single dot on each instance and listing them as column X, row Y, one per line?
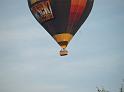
column 104, row 90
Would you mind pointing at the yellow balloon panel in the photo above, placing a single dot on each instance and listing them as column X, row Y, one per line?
column 33, row 1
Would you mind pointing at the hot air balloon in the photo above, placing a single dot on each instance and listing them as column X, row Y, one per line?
column 61, row 18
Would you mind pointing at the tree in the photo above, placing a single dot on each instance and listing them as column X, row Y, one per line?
column 104, row 90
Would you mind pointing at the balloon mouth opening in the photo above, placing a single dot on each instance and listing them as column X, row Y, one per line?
column 63, row 52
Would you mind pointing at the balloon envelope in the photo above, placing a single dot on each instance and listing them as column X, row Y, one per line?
column 61, row 18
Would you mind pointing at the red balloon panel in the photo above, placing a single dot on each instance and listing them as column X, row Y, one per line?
column 76, row 10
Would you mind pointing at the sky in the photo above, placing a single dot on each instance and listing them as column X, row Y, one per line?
column 29, row 59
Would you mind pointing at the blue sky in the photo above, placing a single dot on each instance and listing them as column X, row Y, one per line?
column 29, row 59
